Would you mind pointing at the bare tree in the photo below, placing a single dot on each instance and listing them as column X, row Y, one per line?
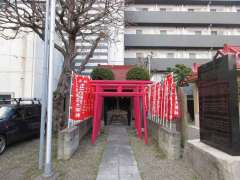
column 86, row 21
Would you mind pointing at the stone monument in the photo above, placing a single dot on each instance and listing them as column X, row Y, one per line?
column 219, row 105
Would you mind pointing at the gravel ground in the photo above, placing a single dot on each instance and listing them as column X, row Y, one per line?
column 20, row 161
column 153, row 165
column 85, row 162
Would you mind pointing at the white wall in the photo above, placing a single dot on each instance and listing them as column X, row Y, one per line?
column 160, row 53
column 21, row 66
column 183, row 8
column 183, row 30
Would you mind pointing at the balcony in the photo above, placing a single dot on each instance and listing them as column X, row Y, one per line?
column 161, row 64
column 179, row 41
column 156, row 18
column 189, row 2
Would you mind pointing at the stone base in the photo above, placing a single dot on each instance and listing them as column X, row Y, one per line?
column 211, row 163
column 55, row 176
column 193, row 132
column 69, row 138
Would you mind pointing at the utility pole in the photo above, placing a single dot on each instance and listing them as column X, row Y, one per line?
column 48, row 161
column 149, row 58
column 44, row 88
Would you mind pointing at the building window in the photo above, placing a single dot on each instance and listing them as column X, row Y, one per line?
column 192, row 55
column 139, row 31
column 213, row 10
column 163, row 31
column 222, row 32
column 214, row 33
column 191, row 10
column 198, row 32
column 142, row 9
column 170, row 55
column 5, row 99
column 139, row 55
column 163, row 9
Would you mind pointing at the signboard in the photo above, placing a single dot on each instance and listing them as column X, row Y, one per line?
column 218, row 105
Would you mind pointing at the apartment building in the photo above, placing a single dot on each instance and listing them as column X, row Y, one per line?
column 108, row 51
column 179, row 32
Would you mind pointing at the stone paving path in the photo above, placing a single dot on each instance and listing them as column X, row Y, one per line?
column 118, row 162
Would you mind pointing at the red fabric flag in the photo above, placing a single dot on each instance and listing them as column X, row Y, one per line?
column 81, row 104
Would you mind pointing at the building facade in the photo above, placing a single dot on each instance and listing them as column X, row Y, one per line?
column 179, row 32
column 168, row 31
column 21, row 67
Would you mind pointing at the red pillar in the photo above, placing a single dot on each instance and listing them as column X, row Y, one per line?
column 135, row 112
column 145, row 122
column 138, row 119
column 95, row 119
column 99, row 118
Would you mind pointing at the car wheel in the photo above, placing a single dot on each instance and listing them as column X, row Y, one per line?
column 3, row 144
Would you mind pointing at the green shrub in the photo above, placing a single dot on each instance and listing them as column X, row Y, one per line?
column 180, row 72
column 100, row 73
column 138, row 73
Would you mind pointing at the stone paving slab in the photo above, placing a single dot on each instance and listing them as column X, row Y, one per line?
column 118, row 161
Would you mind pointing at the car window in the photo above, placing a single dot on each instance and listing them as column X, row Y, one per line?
column 5, row 112
column 19, row 114
column 30, row 112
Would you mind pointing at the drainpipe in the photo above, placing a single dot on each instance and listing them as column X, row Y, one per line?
column 23, row 65
column 34, row 59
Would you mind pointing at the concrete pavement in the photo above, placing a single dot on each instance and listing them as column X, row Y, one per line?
column 118, row 162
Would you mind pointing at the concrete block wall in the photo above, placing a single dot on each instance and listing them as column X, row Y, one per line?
column 68, row 142
column 153, row 129
column 69, row 138
column 168, row 141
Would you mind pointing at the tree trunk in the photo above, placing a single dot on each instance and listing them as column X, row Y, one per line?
column 62, row 93
column 62, row 96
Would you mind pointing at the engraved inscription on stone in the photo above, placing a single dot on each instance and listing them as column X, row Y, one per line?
column 219, row 105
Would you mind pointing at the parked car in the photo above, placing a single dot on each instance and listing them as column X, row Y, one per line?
column 19, row 121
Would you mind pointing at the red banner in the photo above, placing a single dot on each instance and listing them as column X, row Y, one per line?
column 81, row 101
column 163, row 99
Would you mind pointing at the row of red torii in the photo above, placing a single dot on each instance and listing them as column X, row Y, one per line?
column 87, row 98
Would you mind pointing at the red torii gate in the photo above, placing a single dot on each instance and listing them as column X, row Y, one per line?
column 124, row 88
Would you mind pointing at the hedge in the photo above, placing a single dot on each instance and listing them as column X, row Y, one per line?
column 100, row 73
column 137, row 73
